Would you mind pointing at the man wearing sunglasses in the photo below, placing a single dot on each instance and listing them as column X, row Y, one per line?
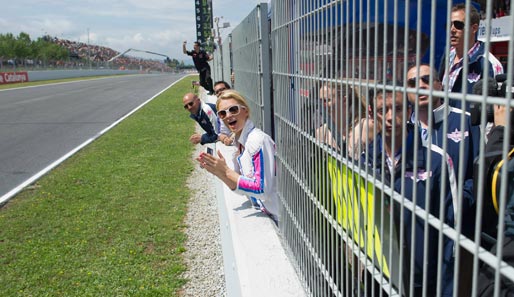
column 476, row 54
column 431, row 120
column 220, row 86
column 205, row 115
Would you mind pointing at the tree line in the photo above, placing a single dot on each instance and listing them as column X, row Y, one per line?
column 22, row 51
column 22, row 48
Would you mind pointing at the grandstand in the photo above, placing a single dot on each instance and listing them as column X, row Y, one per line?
column 100, row 56
column 77, row 55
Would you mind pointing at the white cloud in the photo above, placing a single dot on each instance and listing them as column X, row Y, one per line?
column 153, row 25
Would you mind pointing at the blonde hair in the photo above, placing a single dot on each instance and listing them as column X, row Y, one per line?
column 232, row 94
column 356, row 108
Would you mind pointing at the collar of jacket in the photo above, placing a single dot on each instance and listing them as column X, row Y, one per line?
column 421, row 153
column 476, row 51
column 249, row 125
column 198, row 115
column 438, row 114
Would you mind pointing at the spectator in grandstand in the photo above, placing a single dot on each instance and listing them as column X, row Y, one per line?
column 346, row 132
column 225, row 135
column 256, row 177
column 205, row 115
column 477, row 57
column 432, row 119
column 201, row 59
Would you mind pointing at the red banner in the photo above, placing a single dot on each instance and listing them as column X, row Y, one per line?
column 13, row 77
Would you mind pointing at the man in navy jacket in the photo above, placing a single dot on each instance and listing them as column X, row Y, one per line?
column 435, row 122
column 205, row 115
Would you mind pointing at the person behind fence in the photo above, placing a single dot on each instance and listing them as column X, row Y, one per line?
column 432, row 119
column 348, row 133
column 420, row 183
column 201, row 59
column 257, row 176
column 383, row 156
column 495, row 165
column 347, row 130
column 205, row 115
column 225, row 136
column 477, row 57
column 476, row 107
column 468, row 136
column 390, row 111
column 341, row 132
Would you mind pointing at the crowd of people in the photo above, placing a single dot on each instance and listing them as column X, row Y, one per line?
column 81, row 53
column 425, row 149
column 228, row 121
column 414, row 141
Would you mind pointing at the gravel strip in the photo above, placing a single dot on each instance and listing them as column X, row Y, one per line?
column 203, row 255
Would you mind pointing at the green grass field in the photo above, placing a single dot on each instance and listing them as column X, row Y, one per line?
column 109, row 221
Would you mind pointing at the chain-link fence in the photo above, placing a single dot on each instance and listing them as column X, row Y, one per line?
column 393, row 133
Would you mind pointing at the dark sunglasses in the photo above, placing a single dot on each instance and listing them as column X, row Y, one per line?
column 411, row 82
column 218, row 91
column 234, row 110
column 458, row 25
column 189, row 104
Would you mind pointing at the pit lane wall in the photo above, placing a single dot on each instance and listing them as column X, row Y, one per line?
column 26, row 76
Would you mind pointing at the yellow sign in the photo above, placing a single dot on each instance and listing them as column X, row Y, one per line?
column 356, row 210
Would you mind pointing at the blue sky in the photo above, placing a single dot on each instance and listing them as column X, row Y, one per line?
column 153, row 25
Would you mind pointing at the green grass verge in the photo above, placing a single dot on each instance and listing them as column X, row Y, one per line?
column 108, row 221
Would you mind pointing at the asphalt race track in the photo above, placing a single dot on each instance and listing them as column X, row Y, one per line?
column 41, row 124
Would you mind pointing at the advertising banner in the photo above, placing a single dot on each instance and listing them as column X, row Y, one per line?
column 501, row 29
column 13, row 77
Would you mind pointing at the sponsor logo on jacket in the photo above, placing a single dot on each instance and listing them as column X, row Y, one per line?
column 421, row 175
column 457, row 135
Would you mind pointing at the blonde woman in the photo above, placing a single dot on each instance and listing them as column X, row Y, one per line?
column 256, row 177
column 345, row 130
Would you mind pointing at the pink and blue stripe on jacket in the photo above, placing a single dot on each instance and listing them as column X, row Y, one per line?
column 257, row 166
column 254, row 182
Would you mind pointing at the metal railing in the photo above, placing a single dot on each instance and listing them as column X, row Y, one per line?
column 385, row 182
column 250, row 56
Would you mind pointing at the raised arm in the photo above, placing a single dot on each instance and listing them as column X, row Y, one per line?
column 184, row 47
